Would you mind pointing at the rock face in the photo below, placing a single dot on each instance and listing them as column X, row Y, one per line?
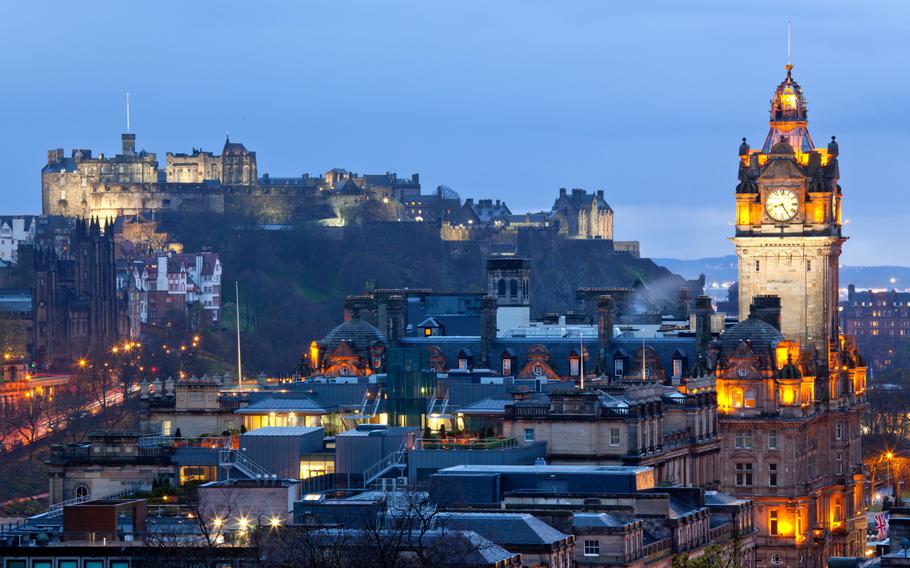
column 293, row 282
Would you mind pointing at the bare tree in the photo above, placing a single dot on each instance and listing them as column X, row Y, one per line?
column 28, row 417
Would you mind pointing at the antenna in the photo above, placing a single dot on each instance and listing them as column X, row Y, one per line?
column 581, row 359
column 788, row 42
column 127, row 112
column 643, row 375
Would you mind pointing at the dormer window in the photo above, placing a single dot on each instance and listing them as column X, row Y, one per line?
column 506, row 366
column 574, row 365
column 618, row 367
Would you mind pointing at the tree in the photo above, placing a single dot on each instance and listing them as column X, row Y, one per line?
column 28, row 417
column 725, row 555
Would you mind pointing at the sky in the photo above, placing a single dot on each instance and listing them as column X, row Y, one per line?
column 510, row 99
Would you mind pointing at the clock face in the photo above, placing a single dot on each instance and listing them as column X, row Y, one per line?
column 782, row 204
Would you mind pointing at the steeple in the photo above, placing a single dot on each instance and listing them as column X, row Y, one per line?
column 789, row 116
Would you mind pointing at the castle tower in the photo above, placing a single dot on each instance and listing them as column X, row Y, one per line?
column 788, row 222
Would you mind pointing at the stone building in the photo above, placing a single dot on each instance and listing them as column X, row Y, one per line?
column 648, row 425
column 880, row 321
column 15, row 231
column 77, row 308
column 583, row 215
column 791, row 387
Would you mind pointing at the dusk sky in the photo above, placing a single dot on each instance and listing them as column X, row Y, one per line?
column 506, row 99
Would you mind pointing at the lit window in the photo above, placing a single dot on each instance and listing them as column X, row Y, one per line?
column 750, row 398
column 737, row 398
column 677, row 368
column 592, row 548
column 573, row 366
column 772, row 523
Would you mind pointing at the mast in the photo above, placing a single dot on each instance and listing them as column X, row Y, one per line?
column 239, row 362
column 643, row 379
column 581, row 359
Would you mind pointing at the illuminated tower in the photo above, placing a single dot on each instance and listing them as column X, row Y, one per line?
column 788, row 223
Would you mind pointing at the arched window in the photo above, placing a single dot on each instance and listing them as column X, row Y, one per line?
column 737, row 398
column 513, row 288
column 81, row 491
column 501, row 287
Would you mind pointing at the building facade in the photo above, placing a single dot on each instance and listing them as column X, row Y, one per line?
column 790, row 385
column 880, row 321
column 77, row 308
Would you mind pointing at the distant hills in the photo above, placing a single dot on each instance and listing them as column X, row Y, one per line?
column 722, row 269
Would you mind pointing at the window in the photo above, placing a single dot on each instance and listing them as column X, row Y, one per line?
column 592, row 548
column 614, row 437
column 67, row 564
column 529, row 434
column 618, row 369
column 501, row 288
column 772, row 474
column 777, row 559
column 744, row 440
column 750, row 398
column 757, row 265
column 573, row 366
column 772, row 523
column 513, row 288
column 677, row 368
column 772, row 440
column 743, row 474
column 506, row 367
column 840, row 464
column 838, row 430
column 81, row 491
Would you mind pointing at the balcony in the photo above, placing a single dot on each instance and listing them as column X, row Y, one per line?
column 769, row 540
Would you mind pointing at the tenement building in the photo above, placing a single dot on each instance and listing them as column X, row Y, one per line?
column 880, row 320
column 790, row 386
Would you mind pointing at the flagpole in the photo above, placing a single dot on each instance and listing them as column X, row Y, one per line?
column 239, row 362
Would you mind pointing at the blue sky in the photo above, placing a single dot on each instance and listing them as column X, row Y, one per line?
column 510, row 99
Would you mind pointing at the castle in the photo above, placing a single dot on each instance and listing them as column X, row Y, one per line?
column 86, row 186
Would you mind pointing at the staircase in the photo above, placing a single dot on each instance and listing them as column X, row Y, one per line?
column 229, row 458
column 439, row 408
column 56, row 509
column 395, row 460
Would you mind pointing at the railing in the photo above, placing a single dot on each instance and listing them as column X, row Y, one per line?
column 57, row 508
column 385, row 464
column 317, row 484
column 656, row 548
column 228, row 458
column 186, row 442
column 720, row 532
column 362, row 411
column 466, row 444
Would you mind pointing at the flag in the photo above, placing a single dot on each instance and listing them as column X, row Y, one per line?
column 881, row 525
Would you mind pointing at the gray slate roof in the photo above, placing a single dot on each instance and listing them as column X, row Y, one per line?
column 303, row 405
column 503, row 528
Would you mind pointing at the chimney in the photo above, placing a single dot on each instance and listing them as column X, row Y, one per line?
column 767, row 309
column 682, row 303
column 51, row 157
column 487, row 329
column 562, row 192
column 59, row 154
column 128, row 142
column 600, row 193
column 704, row 309
column 396, row 319
column 604, row 322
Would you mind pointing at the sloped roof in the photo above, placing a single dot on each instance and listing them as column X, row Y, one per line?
column 598, row 520
column 264, row 406
column 504, row 528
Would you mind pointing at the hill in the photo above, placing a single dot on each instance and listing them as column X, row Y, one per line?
column 293, row 281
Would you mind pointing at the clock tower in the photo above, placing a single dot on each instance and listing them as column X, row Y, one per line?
column 788, row 222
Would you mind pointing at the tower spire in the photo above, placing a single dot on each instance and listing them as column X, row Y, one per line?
column 789, row 64
column 128, row 112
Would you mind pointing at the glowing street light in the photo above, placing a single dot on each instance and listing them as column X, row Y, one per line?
column 82, row 362
column 274, row 522
column 217, row 522
column 244, row 523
